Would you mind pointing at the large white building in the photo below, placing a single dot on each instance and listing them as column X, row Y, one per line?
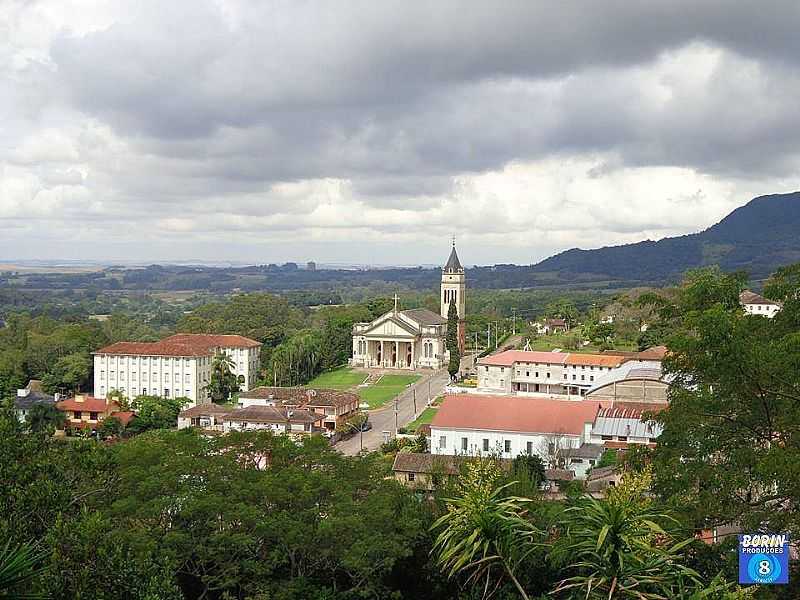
column 177, row 366
column 565, row 434
column 415, row 338
column 755, row 304
column 553, row 374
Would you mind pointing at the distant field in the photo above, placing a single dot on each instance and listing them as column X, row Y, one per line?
column 340, row 379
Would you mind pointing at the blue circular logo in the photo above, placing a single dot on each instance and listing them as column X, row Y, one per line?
column 763, row 568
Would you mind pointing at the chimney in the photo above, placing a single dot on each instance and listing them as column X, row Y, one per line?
column 79, row 397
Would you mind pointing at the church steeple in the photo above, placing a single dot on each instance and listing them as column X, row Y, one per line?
column 454, row 288
column 453, row 265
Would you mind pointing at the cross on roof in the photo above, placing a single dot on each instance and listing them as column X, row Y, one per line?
column 395, row 302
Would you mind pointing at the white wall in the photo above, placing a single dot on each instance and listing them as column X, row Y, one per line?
column 132, row 374
column 497, row 442
column 766, row 310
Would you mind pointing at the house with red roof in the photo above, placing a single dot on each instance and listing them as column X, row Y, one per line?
column 177, row 366
column 88, row 412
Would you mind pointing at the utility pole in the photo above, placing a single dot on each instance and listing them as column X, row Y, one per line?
column 396, row 410
column 496, row 341
column 514, row 321
column 415, row 402
column 488, row 335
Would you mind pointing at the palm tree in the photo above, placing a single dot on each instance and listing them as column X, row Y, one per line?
column 483, row 531
column 19, row 565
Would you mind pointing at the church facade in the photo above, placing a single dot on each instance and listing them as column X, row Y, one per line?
column 415, row 338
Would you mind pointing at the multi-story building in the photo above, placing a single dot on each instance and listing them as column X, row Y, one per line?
column 177, row 366
column 755, row 304
column 544, row 373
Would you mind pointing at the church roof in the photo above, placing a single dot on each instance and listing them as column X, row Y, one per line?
column 423, row 316
column 453, row 264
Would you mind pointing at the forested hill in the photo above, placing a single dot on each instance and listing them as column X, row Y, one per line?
column 757, row 237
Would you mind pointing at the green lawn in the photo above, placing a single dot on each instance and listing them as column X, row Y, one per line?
column 549, row 342
column 425, row 418
column 339, row 379
column 385, row 389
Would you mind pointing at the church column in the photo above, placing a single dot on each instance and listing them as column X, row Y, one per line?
column 413, row 355
column 383, row 355
column 396, row 353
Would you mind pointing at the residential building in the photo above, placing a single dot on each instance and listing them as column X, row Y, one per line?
column 599, row 480
column 293, row 409
column 551, row 326
column 416, row 338
column 509, row 426
column 177, row 366
column 755, row 304
column 583, row 459
column 88, row 412
column 336, row 406
column 278, row 419
column 30, row 396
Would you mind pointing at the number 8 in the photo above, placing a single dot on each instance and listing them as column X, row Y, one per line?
column 764, row 567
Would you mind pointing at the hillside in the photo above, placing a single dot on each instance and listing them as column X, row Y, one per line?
column 757, row 237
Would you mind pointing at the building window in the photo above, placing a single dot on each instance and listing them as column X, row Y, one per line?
column 508, row 446
column 622, row 438
column 573, row 377
column 442, row 441
column 464, row 444
column 102, row 374
column 485, row 444
column 591, row 377
column 548, row 374
column 607, row 437
column 583, row 377
column 166, row 392
column 529, row 448
column 93, row 416
column 77, row 414
column 411, row 476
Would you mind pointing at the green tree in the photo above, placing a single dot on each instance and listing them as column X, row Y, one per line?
column 223, row 382
column 111, row 427
column 484, row 535
column 155, row 412
column 20, row 565
column 69, row 373
column 452, row 340
column 729, row 450
column 45, row 418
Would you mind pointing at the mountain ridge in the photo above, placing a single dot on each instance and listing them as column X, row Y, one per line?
column 758, row 237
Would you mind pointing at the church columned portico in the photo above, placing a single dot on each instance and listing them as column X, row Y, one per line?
column 414, row 338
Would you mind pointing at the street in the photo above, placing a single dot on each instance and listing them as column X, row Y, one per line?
column 383, row 419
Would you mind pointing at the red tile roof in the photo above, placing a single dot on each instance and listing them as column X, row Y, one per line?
column 124, row 416
column 515, row 413
column 509, row 357
column 595, row 360
column 88, row 404
column 181, row 344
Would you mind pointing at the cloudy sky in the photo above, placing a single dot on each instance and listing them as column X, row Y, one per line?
column 369, row 132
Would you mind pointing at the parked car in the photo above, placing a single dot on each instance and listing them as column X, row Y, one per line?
column 365, row 426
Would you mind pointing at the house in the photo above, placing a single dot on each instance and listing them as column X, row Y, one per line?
column 601, row 479
column 583, row 458
column 177, row 366
column 273, row 418
column 551, row 326
column 509, row 426
column 425, row 471
column 208, row 416
column 30, row 396
column 551, row 374
column 755, row 304
column 335, row 406
column 88, row 412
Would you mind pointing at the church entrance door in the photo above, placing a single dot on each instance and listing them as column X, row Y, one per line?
column 380, row 354
column 394, row 357
column 408, row 356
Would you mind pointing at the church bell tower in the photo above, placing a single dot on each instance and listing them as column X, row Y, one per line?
column 454, row 285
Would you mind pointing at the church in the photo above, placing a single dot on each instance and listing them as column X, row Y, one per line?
column 415, row 338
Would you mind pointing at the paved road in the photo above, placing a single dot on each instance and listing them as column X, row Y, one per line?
column 383, row 419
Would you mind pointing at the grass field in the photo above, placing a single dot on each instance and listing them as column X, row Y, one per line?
column 340, row 379
column 385, row 389
column 549, row 342
column 425, row 418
